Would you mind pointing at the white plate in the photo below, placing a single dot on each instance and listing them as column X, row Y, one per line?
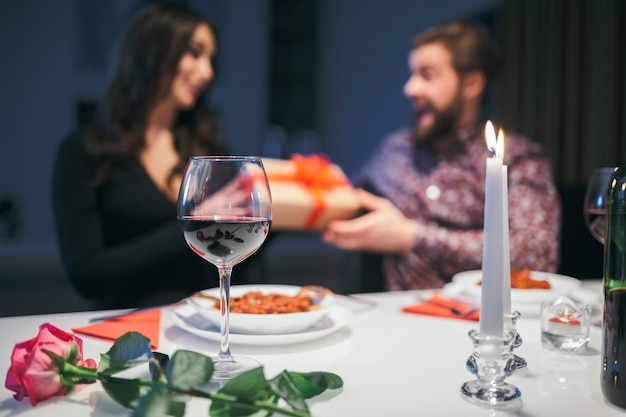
column 560, row 285
column 261, row 323
column 187, row 318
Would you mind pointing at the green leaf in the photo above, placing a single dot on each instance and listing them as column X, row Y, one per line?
column 296, row 387
column 247, row 388
column 187, row 370
column 155, row 403
column 128, row 350
column 57, row 360
column 314, row 383
column 285, row 387
column 234, row 410
column 124, row 391
column 73, row 356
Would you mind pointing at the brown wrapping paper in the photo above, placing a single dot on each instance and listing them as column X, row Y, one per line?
column 296, row 202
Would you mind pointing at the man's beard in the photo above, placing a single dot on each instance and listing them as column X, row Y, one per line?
column 444, row 123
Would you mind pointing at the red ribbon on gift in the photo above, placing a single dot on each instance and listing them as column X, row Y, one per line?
column 316, row 173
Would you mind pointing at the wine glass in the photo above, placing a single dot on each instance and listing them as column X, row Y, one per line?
column 224, row 214
column 594, row 205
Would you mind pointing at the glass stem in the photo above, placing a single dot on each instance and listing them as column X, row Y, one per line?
column 224, row 272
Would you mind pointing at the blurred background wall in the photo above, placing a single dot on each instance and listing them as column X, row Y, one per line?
column 292, row 76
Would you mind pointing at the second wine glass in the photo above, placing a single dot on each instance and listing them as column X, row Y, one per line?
column 225, row 213
column 594, row 205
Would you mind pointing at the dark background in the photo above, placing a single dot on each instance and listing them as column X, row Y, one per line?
column 292, row 76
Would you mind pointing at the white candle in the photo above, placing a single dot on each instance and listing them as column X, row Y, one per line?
column 492, row 291
column 506, row 251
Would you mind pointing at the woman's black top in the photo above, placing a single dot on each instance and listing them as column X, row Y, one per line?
column 120, row 241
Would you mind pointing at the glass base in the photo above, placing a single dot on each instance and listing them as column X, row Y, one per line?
column 230, row 368
column 501, row 396
column 491, row 362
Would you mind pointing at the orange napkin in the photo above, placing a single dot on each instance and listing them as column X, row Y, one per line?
column 441, row 306
column 145, row 322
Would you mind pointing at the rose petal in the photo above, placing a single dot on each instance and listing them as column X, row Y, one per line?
column 41, row 385
column 89, row 363
column 14, row 384
column 19, row 358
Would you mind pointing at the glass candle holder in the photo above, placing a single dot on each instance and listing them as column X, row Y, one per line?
column 565, row 325
column 492, row 362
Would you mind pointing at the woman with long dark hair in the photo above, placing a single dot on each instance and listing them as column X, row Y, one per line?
column 115, row 186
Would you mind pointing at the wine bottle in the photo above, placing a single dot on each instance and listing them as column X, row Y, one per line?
column 613, row 375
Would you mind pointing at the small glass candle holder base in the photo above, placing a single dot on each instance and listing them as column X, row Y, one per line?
column 502, row 396
column 491, row 362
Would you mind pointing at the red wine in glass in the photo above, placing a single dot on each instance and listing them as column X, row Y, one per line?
column 594, row 219
column 226, row 240
column 594, row 205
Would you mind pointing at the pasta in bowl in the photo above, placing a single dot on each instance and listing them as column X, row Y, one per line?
column 266, row 309
column 533, row 287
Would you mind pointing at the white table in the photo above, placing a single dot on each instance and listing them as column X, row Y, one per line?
column 392, row 363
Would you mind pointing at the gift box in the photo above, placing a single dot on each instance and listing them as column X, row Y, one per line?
column 308, row 192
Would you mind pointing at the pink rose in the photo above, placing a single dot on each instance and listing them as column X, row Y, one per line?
column 32, row 372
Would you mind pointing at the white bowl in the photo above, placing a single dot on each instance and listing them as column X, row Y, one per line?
column 261, row 323
column 559, row 285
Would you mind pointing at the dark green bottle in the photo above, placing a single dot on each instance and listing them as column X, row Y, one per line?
column 613, row 376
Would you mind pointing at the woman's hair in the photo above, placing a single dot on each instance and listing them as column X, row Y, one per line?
column 469, row 44
column 155, row 41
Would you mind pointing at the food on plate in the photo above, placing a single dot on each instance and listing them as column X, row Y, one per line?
column 255, row 302
column 521, row 280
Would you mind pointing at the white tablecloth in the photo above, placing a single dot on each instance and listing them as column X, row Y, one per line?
column 392, row 363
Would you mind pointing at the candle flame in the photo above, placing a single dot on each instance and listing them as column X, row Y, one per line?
column 494, row 145
column 490, row 137
column 500, row 145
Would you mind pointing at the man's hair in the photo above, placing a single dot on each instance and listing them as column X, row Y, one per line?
column 470, row 45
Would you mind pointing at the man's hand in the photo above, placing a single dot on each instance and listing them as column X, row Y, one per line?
column 383, row 229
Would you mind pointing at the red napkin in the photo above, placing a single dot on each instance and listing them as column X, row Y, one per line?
column 144, row 322
column 441, row 306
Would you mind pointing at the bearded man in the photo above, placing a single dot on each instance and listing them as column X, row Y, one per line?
column 424, row 204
